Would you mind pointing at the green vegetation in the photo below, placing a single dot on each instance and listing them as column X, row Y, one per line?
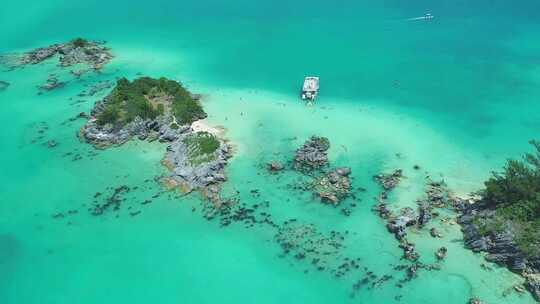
column 201, row 147
column 149, row 98
column 514, row 194
column 516, row 191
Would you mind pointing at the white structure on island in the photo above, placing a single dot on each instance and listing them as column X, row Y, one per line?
column 310, row 89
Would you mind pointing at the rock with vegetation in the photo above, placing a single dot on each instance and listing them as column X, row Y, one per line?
column 505, row 222
column 197, row 161
column 313, row 155
column 398, row 224
column 147, row 108
column 77, row 51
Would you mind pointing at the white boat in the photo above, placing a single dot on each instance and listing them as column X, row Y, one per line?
column 310, row 89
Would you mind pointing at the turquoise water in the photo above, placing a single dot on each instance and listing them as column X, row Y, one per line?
column 456, row 95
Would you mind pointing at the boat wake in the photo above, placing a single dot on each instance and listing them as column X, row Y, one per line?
column 427, row 16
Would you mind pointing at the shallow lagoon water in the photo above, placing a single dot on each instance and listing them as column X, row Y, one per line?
column 455, row 96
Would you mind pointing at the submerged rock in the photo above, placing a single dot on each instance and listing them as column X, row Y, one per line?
column 52, row 83
column 3, row 85
column 435, row 233
column 441, row 253
column 312, row 155
column 409, row 250
column 52, row 143
column 275, row 166
column 382, row 210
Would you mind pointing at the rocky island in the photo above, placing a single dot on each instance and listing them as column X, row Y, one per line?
column 162, row 109
column 505, row 221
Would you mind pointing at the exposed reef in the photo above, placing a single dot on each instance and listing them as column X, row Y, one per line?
column 161, row 109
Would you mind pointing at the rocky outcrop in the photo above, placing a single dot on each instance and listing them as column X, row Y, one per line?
column 78, row 51
column 334, row 186
column 313, row 155
column 190, row 176
column 500, row 246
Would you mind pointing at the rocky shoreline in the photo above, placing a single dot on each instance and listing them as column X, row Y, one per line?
column 500, row 246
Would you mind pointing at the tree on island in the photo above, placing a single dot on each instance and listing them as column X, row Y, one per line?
column 514, row 194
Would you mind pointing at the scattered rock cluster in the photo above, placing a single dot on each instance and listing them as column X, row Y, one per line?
column 111, row 202
column 330, row 186
column 398, row 223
